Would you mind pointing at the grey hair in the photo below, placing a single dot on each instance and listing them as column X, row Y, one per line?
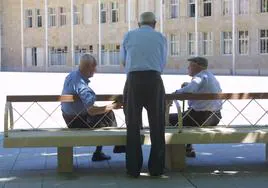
column 88, row 58
column 147, row 18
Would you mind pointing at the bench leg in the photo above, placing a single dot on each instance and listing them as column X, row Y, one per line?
column 175, row 157
column 65, row 159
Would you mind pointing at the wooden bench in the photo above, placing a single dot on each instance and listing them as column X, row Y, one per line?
column 66, row 139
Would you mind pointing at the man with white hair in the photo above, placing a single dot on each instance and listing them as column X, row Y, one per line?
column 143, row 53
column 83, row 113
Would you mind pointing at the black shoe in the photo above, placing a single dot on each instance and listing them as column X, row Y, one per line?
column 119, row 149
column 133, row 175
column 190, row 153
column 99, row 156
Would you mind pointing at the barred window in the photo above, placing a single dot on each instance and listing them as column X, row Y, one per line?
column 76, row 15
column 110, row 54
column 243, row 6
column 191, row 8
column 174, row 45
column 264, row 5
column 62, row 14
column 52, row 17
column 38, row 18
column 29, row 18
column 58, row 56
column 207, row 43
column 191, row 44
column 173, row 9
column 226, row 7
column 103, row 13
column 207, row 6
column 264, row 41
column 243, row 45
column 227, row 42
column 115, row 12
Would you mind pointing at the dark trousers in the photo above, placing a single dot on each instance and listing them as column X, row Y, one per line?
column 145, row 89
column 196, row 118
column 87, row 121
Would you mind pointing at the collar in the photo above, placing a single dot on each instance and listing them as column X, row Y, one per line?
column 146, row 27
column 82, row 76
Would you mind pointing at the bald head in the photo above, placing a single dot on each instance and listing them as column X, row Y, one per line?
column 87, row 65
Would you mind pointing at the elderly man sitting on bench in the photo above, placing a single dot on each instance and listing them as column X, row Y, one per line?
column 83, row 113
column 200, row 112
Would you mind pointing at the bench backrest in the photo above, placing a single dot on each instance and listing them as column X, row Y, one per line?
column 8, row 120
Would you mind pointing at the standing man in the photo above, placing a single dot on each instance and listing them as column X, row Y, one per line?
column 200, row 112
column 82, row 113
column 143, row 54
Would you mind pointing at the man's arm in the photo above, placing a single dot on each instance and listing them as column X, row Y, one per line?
column 164, row 61
column 96, row 110
column 192, row 87
column 123, row 52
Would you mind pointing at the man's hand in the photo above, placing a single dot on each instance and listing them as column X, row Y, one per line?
column 184, row 84
column 117, row 105
column 114, row 106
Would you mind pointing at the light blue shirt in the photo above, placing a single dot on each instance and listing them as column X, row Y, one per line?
column 203, row 82
column 76, row 84
column 143, row 49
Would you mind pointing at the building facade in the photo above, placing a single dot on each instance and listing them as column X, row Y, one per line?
column 51, row 35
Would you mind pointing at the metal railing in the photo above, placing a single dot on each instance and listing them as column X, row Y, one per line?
column 251, row 108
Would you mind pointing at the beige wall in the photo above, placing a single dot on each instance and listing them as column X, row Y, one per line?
column 113, row 33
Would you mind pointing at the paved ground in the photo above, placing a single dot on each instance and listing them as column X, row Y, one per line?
column 225, row 165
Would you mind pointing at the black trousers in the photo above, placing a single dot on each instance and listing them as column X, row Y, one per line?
column 200, row 117
column 87, row 121
column 145, row 89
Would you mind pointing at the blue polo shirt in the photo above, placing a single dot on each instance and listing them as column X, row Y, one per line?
column 144, row 49
column 76, row 84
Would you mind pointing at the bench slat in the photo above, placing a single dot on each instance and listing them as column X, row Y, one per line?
column 184, row 96
column 67, row 138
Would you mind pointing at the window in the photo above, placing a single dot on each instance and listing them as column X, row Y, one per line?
column 52, row 17
column 174, row 45
column 243, row 6
column 103, row 13
column 191, row 8
column 173, row 9
column 207, row 4
column 243, row 44
column 38, row 18
column 207, row 43
column 29, row 18
column 226, row 7
column 76, row 15
column 79, row 51
column 58, row 56
column 110, row 54
column 62, row 16
column 191, row 44
column 227, row 43
column 34, row 56
column 264, row 41
column 114, row 12
column 264, row 5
